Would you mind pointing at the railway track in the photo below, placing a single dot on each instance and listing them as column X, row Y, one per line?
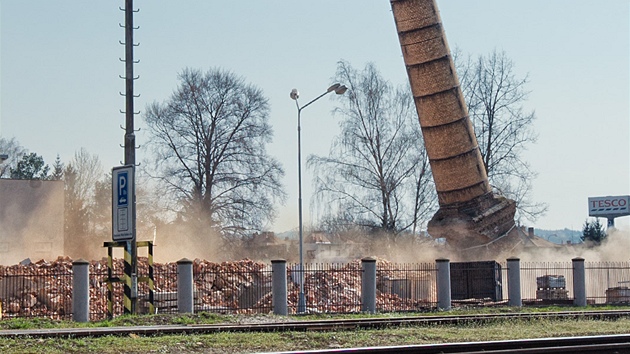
column 591, row 344
column 317, row 325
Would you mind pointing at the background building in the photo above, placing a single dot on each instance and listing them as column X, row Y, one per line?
column 31, row 220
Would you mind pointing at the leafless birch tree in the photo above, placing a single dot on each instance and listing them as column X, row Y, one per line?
column 495, row 96
column 14, row 151
column 377, row 173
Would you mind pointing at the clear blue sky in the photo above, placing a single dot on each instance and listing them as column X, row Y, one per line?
column 59, row 76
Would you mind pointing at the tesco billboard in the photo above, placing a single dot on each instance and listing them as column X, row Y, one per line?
column 609, row 206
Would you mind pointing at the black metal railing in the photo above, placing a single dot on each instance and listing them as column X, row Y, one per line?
column 232, row 287
column 547, row 283
column 44, row 289
column 328, row 287
column 406, row 287
column 608, row 282
column 41, row 289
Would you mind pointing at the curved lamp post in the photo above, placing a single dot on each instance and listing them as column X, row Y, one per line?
column 340, row 90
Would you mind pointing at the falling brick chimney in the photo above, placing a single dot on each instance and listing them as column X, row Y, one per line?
column 470, row 214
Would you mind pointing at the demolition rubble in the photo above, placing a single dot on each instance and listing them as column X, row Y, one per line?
column 44, row 289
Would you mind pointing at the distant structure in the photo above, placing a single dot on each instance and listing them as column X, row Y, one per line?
column 609, row 207
column 470, row 215
column 31, row 220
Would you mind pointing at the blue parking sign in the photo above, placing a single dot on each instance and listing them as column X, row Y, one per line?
column 123, row 204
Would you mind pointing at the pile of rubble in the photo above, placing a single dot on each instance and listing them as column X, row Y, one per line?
column 44, row 289
column 40, row 289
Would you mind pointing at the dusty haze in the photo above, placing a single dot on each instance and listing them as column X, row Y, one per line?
column 33, row 228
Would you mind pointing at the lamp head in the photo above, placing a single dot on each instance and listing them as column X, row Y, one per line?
column 340, row 90
column 294, row 94
column 333, row 87
column 3, row 157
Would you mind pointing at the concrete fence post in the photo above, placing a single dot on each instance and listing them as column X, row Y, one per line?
column 279, row 287
column 579, row 282
column 443, row 283
column 81, row 290
column 514, row 282
column 368, row 285
column 185, row 293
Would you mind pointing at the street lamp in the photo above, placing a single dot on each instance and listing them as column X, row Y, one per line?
column 340, row 90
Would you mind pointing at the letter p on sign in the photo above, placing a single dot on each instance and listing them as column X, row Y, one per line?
column 123, row 190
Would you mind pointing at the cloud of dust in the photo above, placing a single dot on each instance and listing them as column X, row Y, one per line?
column 425, row 249
column 397, row 249
column 31, row 220
column 32, row 217
column 613, row 248
column 179, row 240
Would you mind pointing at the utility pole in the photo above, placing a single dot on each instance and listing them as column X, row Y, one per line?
column 130, row 140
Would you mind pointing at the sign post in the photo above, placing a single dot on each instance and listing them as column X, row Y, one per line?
column 124, row 229
column 609, row 207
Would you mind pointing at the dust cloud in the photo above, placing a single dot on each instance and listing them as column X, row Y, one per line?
column 33, row 228
column 31, row 220
column 422, row 250
column 614, row 248
column 175, row 242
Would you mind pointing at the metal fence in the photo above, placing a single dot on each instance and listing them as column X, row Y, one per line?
column 232, row 287
column 44, row 289
column 608, row 282
column 406, row 287
column 547, row 283
column 228, row 287
column 328, row 287
column 99, row 292
column 39, row 289
column 164, row 290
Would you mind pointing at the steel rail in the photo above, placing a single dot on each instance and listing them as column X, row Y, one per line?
column 586, row 344
column 313, row 325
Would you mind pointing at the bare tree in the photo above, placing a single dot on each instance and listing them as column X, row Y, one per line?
column 82, row 223
column 14, row 151
column 101, row 207
column 425, row 198
column 377, row 171
column 89, row 170
column 495, row 97
column 209, row 142
column 76, row 214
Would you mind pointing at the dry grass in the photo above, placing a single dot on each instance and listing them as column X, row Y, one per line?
column 285, row 341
